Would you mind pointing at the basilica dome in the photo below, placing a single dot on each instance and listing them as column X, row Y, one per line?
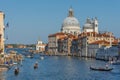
column 70, row 21
column 70, row 24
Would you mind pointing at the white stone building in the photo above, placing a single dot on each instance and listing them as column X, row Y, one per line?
column 40, row 47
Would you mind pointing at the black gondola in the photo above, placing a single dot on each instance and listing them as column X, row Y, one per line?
column 35, row 65
column 101, row 69
column 16, row 71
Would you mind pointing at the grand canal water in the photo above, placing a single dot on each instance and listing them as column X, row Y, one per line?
column 61, row 68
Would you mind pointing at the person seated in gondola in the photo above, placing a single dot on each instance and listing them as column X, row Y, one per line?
column 106, row 66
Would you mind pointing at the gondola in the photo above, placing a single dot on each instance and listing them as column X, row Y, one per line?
column 16, row 71
column 35, row 65
column 101, row 69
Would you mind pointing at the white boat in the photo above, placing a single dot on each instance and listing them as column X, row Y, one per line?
column 29, row 56
column 15, row 63
column 41, row 57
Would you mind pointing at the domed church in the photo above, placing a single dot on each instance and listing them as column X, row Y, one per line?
column 91, row 25
column 71, row 24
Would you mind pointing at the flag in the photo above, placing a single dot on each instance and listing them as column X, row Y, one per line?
column 7, row 25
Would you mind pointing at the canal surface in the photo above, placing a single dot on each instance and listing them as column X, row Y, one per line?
column 61, row 68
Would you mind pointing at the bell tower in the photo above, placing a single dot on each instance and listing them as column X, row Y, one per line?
column 95, row 25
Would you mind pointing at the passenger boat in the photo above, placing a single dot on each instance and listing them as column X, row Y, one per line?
column 101, row 68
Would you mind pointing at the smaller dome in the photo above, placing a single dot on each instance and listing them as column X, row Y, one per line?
column 87, row 25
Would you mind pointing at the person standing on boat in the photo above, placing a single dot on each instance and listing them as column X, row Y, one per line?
column 106, row 66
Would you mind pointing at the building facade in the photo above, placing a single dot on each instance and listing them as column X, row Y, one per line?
column 86, row 39
column 53, row 42
column 107, row 53
column 2, row 32
column 40, row 47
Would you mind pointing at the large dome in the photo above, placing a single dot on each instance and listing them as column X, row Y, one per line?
column 70, row 21
column 71, row 24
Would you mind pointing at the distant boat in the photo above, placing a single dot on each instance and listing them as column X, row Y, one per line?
column 36, row 65
column 16, row 71
column 15, row 63
column 4, row 66
column 41, row 57
column 101, row 68
column 29, row 56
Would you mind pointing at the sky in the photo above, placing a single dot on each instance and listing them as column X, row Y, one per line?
column 30, row 20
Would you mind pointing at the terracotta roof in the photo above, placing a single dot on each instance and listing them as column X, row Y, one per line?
column 62, row 38
column 94, row 34
column 75, row 38
column 56, row 34
column 103, row 42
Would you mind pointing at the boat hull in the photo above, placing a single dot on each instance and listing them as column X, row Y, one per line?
column 101, row 69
